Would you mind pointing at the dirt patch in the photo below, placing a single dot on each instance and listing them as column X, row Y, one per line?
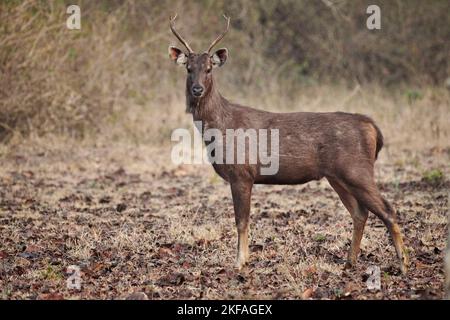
column 133, row 223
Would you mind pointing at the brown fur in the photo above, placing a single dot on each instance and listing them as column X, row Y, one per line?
column 341, row 147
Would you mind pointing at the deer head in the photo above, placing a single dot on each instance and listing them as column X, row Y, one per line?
column 198, row 65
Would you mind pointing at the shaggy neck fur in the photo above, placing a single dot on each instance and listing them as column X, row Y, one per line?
column 211, row 108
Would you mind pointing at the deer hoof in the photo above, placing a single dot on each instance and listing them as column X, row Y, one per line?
column 404, row 263
column 239, row 264
column 403, row 269
column 404, row 266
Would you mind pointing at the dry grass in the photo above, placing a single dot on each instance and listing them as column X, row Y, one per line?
column 178, row 220
column 114, row 72
column 407, row 124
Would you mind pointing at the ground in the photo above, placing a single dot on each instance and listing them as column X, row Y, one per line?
column 133, row 222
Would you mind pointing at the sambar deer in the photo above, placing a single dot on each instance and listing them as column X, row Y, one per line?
column 341, row 147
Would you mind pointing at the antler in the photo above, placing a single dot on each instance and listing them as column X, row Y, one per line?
column 221, row 36
column 178, row 35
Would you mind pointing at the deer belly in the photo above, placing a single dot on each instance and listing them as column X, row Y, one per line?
column 291, row 173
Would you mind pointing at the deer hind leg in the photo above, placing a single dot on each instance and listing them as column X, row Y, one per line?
column 366, row 192
column 241, row 192
column 359, row 216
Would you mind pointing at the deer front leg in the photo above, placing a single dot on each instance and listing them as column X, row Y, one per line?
column 241, row 192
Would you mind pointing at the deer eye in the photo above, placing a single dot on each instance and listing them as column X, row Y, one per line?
column 189, row 70
column 208, row 70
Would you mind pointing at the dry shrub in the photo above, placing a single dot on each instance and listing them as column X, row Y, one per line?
column 112, row 79
column 330, row 39
column 63, row 81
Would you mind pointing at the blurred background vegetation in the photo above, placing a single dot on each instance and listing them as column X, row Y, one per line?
column 113, row 77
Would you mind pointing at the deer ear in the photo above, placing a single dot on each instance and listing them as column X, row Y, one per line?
column 177, row 56
column 219, row 57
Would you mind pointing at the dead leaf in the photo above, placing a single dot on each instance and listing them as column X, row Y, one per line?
column 121, row 207
column 221, row 271
column 174, row 279
column 310, row 271
column 164, row 252
column 420, row 265
column 105, row 199
column 22, row 262
column 307, row 293
column 349, row 288
column 256, row 247
column 50, row 296
column 98, row 267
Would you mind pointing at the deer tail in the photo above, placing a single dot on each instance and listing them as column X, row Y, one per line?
column 380, row 140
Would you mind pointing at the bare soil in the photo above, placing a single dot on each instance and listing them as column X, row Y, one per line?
column 132, row 222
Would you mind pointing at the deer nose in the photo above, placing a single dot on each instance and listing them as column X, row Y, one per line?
column 197, row 90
